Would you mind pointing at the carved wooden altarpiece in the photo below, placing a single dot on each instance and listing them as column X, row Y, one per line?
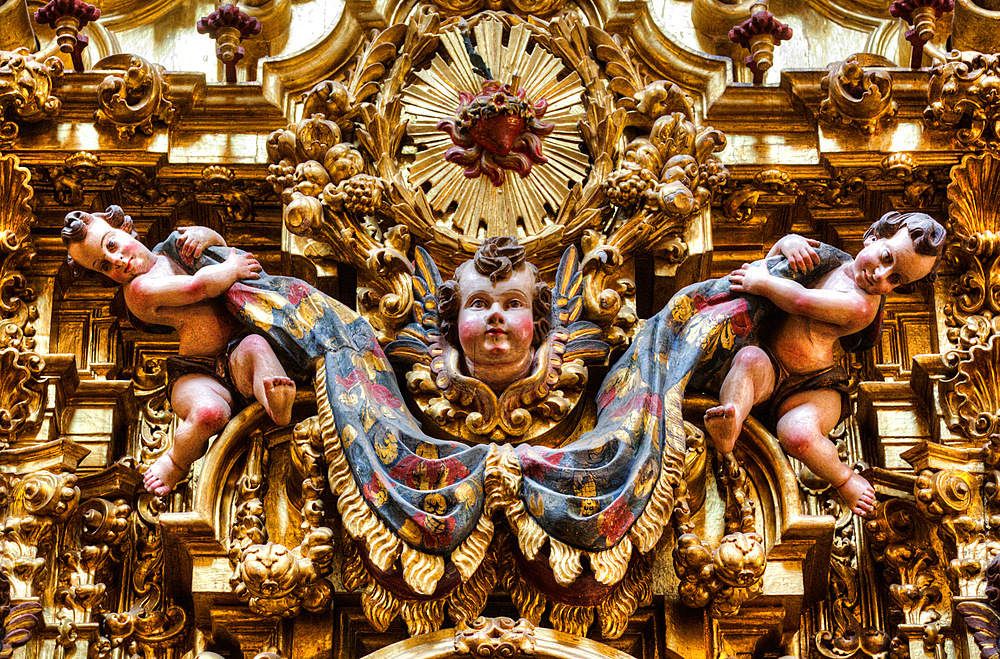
column 369, row 149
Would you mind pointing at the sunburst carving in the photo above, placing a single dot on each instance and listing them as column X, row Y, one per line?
column 521, row 206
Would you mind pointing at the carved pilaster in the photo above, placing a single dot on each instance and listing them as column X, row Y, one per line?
column 910, row 551
column 21, row 385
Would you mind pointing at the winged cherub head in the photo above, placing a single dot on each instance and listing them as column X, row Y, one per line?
column 496, row 310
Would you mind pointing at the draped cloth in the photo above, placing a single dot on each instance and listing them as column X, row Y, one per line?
column 430, row 492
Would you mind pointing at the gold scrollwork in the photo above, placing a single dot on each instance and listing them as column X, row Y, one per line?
column 729, row 576
column 26, row 90
column 961, row 97
column 21, row 390
column 132, row 100
column 905, row 542
column 274, row 580
column 857, row 95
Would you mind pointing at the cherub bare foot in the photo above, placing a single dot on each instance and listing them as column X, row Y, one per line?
column 858, row 493
column 720, row 422
column 163, row 475
column 279, row 394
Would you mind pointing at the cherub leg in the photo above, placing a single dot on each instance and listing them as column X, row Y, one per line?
column 749, row 381
column 205, row 407
column 807, row 418
column 258, row 373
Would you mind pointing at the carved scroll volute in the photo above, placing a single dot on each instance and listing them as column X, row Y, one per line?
column 26, row 90
column 961, row 98
column 856, row 95
column 36, row 503
column 133, row 99
column 21, row 391
column 89, row 554
column 953, row 497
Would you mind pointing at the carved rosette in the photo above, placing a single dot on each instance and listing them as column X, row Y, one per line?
column 26, row 90
column 856, row 95
column 132, row 100
column 962, row 98
column 21, row 385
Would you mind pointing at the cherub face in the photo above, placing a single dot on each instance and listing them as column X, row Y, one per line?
column 495, row 324
column 885, row 263
column 112, row 252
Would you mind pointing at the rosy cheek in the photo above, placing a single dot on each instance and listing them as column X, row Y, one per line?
column 468, row 328
column 522, row 326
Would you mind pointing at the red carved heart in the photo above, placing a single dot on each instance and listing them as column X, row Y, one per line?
column 497, row 134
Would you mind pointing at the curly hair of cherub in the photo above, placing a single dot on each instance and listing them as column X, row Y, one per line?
column 927, row 234
column 75, row 228
column 497, row 258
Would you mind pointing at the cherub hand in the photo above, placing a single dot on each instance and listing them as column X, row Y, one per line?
column 800, row 252
column 747, row 279
column 245, row 265
column 194, row 240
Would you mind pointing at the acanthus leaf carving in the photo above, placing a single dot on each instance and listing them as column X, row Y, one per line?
column 21, row 384
column 857, row 95
column 132, row 100
column 26, row 90
column 962, row 98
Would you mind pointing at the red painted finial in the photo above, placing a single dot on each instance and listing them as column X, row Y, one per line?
column 760, row 34
column 228, row 25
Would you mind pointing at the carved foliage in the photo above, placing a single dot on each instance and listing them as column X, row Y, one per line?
column 963, row 97
column 274, row 580
column 21, row 390
column 856, row 96
column 133, row 99
column 26, row 90
column 731, row 574
column 905, row 543
column 146, row 623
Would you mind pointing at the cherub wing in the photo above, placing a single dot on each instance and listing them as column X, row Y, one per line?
column 583, row 337
column 413, row 342
column 986, row 624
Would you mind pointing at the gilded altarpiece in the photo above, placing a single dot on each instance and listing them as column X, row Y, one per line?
column 369, row 149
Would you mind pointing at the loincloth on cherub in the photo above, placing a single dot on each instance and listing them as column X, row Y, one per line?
column 787, row 385
column 216, row 367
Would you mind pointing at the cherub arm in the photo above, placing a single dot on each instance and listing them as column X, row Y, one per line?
column 153, row 293
column 799, row 251
column 193, row 241
column 843, row 308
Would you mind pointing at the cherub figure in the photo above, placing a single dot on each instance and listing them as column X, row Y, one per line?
column 496, row 308
column 220, row 367
column 794, row 370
